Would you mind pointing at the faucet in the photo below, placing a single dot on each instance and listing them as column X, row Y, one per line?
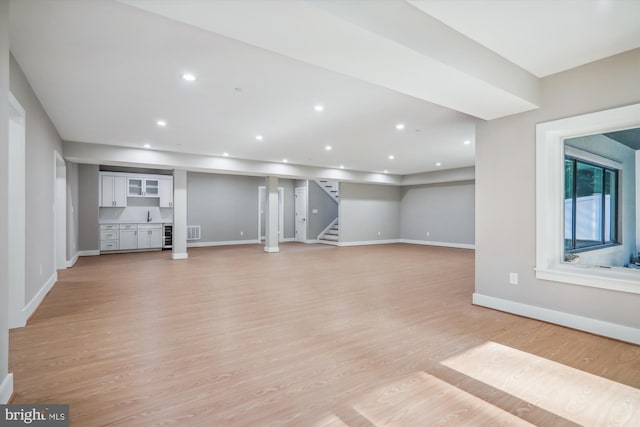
column 148, row 216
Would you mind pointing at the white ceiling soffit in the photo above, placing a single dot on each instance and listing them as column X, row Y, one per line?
column 387, row 43
column 544, row 37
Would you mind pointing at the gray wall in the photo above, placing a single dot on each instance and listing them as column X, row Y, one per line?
column 445, row 211
column 225, row 205
column 327, row 208
column 72, row 210
column 4, row 188
column 41, row 141
column 88, row 211
column 505, row 192
column 637, row 201
column 366, row 209
column 613, row 150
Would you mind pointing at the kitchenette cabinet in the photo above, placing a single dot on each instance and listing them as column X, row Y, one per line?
column 130, row 237
column 143, row 187
column 149, row 236
column 113, row 191
column 166, row 192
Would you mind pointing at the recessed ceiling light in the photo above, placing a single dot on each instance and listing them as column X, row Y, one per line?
column 341, row 166
column 400, row 126
column 328, row 148
column 319, row 107
column 386, row 171
column 161, row 123
column 147, row 145
column 438, row 164
column 285, row 161
column 259, row 137
column 188, row 77
column 391, row 157
column 225, row 154
column 467, row 142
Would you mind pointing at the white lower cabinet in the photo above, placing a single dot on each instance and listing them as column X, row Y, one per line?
column 125, row 237
column 149, row 237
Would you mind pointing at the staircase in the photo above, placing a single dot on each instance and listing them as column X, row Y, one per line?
column 331, row 234
column 330, row 187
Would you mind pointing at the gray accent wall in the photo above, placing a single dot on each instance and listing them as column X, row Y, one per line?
column 327, row 210
column 506, row 192
column 366, row 209
column 88, row 210
column 613, row 150
column 438, row 213
column 42, row 140
column 4, row 189
column 225, row 205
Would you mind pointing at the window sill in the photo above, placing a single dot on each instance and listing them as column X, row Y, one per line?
column 619, row 279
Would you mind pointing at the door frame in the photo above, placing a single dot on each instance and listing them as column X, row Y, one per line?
column 59, row 211
column 17, row 213
column 262, row 190
column 302, row 238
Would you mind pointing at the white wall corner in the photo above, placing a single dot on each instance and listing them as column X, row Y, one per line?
column 594, row 326
column 179, row 256
column 6, row 389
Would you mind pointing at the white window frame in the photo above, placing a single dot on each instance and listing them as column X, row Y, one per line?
column 550, row 138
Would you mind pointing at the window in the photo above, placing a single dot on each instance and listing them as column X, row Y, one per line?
column 590, row 205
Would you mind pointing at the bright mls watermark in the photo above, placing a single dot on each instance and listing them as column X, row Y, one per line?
column 34, row 415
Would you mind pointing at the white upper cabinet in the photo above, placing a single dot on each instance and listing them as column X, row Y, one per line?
column 143, row 187
column 113, row 191
column 166, row 192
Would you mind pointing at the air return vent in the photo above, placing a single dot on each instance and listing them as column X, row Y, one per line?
column 193, row 232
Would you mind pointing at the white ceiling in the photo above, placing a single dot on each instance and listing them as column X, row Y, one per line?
column 106, row 72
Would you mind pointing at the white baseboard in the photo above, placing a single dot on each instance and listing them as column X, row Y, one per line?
column 35, row 302
column 272, row 249
column 328, row 242
column 594, row 326
column 6, row 389
column 222, row 243
column 444, row 244
column 369, row 242
column 179, row 256
column 288, row 239
column 71, row 262
column 89, row 253
column 311, row 241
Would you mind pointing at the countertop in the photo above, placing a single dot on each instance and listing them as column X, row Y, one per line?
column 134, row 222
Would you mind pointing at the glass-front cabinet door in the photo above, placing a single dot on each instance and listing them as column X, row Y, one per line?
column 135, row 187
column 151, row 188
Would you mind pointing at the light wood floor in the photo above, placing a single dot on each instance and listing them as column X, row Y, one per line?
column 313, row 336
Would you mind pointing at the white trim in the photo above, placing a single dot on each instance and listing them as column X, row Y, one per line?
column 331, row 224
column 590, row 157
column 370, row 242
column 6, row 389
column 594, row 326
column 179, row 256
column 261, row 189
column 71, row 262
column 289, row 239
column 271, row 249
column 95, row 252
column 222, row 243
column 328, row 242
column 35, row 302
column 311, row 241
column 59, row 212
column 443, row 244
column 550, row 138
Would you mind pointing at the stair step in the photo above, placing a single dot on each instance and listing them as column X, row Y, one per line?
column 332, row 232
column 330, row 237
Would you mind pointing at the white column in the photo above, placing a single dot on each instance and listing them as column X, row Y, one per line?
column 179, row 244
column 271, row 216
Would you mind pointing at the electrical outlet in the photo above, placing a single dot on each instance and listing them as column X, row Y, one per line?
column 513, row 278
column 427, row 234
column 379, row 233
column 242, row 233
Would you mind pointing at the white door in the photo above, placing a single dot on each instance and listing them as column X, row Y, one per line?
column 301, row 214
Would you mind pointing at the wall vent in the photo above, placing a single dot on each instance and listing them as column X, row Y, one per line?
column 193, row 232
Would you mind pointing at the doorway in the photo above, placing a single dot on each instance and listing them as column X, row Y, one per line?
column 301, row 214
column 262, row 202
column 17, row 211
column 60, row 211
